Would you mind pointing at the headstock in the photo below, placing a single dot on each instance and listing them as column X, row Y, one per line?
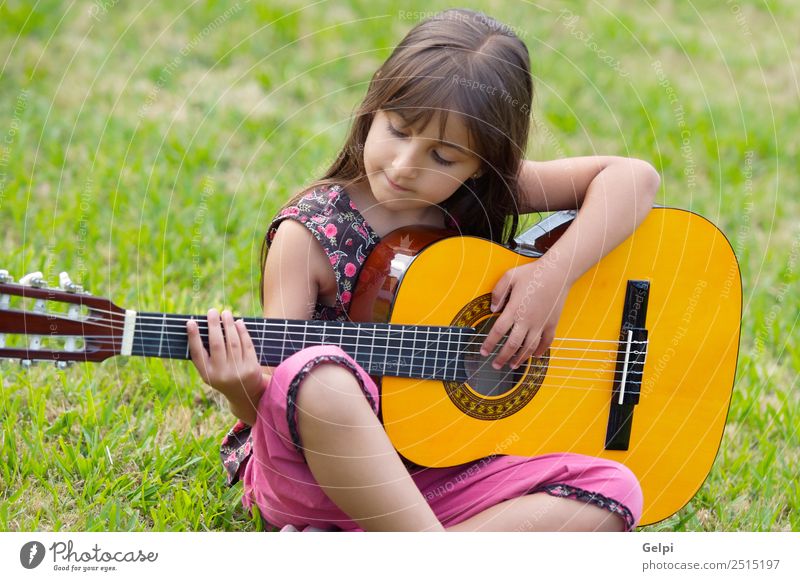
column 62, row 324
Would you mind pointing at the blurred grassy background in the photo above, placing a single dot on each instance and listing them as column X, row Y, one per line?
column 144, row 149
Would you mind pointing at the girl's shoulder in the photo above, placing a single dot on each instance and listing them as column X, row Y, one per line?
column 313, row 201
column 321, row 209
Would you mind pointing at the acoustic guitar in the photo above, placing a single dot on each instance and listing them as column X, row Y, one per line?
column 641, row 370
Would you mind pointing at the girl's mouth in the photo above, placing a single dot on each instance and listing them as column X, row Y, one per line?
column 394, row 186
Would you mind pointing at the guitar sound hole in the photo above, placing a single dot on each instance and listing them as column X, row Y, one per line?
column 483, row 378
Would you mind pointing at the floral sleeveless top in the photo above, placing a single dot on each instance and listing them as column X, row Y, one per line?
column 333, row 219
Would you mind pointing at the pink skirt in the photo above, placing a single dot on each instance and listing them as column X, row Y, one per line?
column 278, row 480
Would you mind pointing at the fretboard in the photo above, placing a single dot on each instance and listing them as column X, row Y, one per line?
column 416, row 351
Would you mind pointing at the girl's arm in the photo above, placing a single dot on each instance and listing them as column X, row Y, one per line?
column 294, row 267
column 613, row 196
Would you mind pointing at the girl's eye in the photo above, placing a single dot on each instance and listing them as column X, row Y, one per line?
column 439, row 159
column 394, row 131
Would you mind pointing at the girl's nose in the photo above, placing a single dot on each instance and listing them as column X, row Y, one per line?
column 405, row 163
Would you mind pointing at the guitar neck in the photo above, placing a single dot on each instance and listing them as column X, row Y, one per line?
column 415, row 351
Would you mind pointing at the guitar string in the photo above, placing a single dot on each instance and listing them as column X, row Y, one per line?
column 178, row 343
column 160, row 319
column 172, row 348
column 358, row 327
column 259, row 335
column 443, row 369
column 261, row 327
column 179, row 331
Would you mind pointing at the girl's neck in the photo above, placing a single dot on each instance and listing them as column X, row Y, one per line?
column 382, row 221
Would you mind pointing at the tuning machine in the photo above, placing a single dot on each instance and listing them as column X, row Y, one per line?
column 66, row 284
column 35, row 280
column 5, row 301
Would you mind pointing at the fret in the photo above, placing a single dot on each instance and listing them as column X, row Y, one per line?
column 187, row 343
column 436, row 353
column 382, row 360
column 440, row 367
column 393, row 349
column 259, row 336
column 425, row 350
column 161, row 340
column 414, row 350
column 400, row 350
column 283, row 340
column 144, row 340
column 372, row 349
column 449, row 349
column 357, row 355
column 459, row 353
column 138, row 338
column 305, row 331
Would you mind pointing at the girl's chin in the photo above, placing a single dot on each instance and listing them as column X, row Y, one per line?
column 393, row 204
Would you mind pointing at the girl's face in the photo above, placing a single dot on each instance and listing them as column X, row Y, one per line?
column 409, row 168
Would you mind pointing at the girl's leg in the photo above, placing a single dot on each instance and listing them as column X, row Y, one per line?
column 542, row 512
column 352, row 458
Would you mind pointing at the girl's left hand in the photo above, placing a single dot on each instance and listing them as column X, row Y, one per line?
column 536, row 293
column 230, row 365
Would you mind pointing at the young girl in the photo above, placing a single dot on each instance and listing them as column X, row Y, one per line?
column 438, row 140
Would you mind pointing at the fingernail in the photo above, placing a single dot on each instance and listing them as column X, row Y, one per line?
column 493, row 308
column 484, row 352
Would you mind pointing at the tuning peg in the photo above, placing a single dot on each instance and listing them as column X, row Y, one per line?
column 66, row 284
column 5, row 301
column 34, row 279
column 73, row 313
column 64, row 364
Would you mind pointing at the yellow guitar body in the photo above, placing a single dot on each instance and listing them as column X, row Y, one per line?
column 693, row 320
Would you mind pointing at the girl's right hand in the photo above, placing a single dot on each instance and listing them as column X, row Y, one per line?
column 230, row 365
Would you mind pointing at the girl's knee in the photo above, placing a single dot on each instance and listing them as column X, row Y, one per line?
column 319, row 387
column 329, row 392
column 629, row 492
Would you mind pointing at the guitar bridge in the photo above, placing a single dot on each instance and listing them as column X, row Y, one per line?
column 631, row 355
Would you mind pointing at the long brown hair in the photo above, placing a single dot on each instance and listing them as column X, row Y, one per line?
column 459, row 61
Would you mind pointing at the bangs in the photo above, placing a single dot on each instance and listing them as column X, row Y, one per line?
column 417, row 99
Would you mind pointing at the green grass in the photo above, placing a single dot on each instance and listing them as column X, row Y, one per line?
column 144, row 149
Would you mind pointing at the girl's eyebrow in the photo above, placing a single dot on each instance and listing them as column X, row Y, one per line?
column 453, row 145
column 440, row 140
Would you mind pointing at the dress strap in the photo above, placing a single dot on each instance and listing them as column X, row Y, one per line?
column 333, row 219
